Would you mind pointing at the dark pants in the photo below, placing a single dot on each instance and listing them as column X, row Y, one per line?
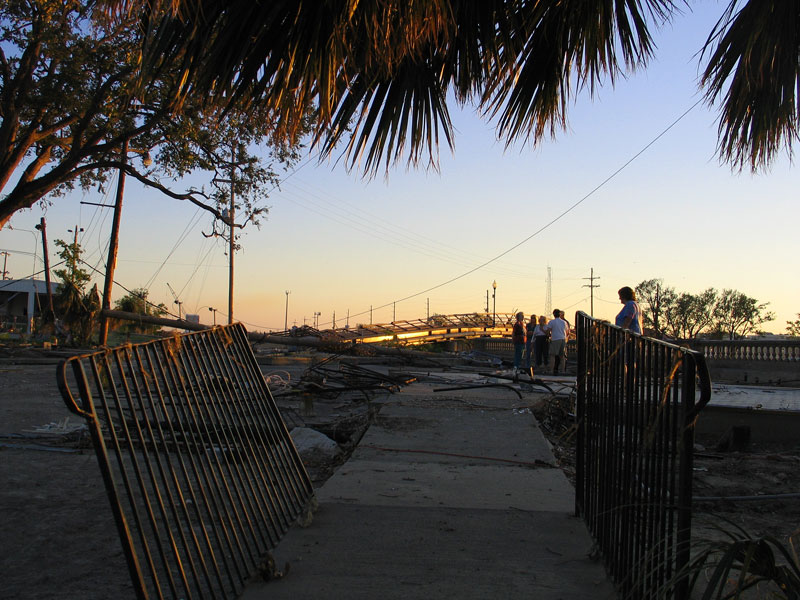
column 540, row 350
column 518, row 350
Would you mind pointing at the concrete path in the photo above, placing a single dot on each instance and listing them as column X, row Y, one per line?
column 445, row 497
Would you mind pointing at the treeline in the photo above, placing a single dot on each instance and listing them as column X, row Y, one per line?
column 728, row 314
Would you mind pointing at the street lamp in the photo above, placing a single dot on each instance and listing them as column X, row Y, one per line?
column 494, row 302
column 180, row 314
column 286, row 316
column 214, row 310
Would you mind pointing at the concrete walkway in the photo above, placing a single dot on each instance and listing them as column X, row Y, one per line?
column 445, row 497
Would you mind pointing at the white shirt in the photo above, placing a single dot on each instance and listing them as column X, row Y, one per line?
column 559, row 330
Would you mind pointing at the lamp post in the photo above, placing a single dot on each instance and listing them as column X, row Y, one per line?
column 180, row 313
column 214, row 310
column 286, row 316
column 494, row 303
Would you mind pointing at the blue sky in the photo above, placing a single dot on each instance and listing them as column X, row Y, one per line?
column 338, row 242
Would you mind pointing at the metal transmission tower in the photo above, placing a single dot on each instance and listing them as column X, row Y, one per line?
column 591, row 285
column 548, row 299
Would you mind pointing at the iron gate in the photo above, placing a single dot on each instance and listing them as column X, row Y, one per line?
column 636, row 410
column 201, row 473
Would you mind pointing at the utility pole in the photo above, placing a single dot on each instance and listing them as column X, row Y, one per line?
column 394, row 312
column 591, row 287
column 657, row 309
column 5, row 264
column 370, row 314
column 75, row 249
column 286, row 315
column 232, row 241
column 43, row 228
column 494, row 303
column 429, row 310
column 176, row 301
column 548, row 299
column 113, row 247
column 487, row 302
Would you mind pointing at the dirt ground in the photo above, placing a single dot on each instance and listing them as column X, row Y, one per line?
column 59, row 539
column 747, row 488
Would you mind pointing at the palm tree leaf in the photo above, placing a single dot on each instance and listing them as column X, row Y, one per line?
column 329, row 54
column 754, row 70
column 566, row 45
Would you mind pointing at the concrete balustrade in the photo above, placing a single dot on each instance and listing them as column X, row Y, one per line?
column 772, row 362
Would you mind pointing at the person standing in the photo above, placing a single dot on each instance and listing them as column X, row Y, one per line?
column 630, row 317
column 518, row 337
column 540, row 344
column 530, row 327
column 559, row 332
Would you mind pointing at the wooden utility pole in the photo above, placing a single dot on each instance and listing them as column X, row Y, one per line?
column 43, row 228
column 113, row 247
column 232, row 241
column 591, row 287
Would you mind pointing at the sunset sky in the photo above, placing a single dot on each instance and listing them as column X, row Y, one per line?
column 339, row 242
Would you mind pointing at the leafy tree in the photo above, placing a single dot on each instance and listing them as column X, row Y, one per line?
column 793, row 327
column 655, row 299
column 380, row 71
column 736, row 314
column 690, row 314
column 72, row 275
column 136, row 302
column 77, row 309
column 74, row 110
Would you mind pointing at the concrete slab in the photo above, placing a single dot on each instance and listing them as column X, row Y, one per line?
column 480, row 435
column 380, row 483
column 369, row 552
column 755, row 397
column 445, row 497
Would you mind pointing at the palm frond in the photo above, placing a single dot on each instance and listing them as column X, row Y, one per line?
column 565, row 46
column 390, row 65
column 735, row 561
column 753, row 68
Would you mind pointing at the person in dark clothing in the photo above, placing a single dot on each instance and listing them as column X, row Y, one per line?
column 530, row 327
column 518, row 337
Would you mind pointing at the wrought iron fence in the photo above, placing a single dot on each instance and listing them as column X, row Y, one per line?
column 636, row 407
column 201, row 473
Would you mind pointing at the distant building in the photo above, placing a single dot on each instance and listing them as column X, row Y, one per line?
column 20, row 301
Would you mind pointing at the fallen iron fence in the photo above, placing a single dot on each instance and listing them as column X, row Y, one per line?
column 200, row 470
column 636, row 408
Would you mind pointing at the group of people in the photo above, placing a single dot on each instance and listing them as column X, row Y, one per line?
column 539, row 340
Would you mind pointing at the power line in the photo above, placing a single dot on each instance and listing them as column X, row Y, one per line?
column 553, row 221
column 542, row 228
